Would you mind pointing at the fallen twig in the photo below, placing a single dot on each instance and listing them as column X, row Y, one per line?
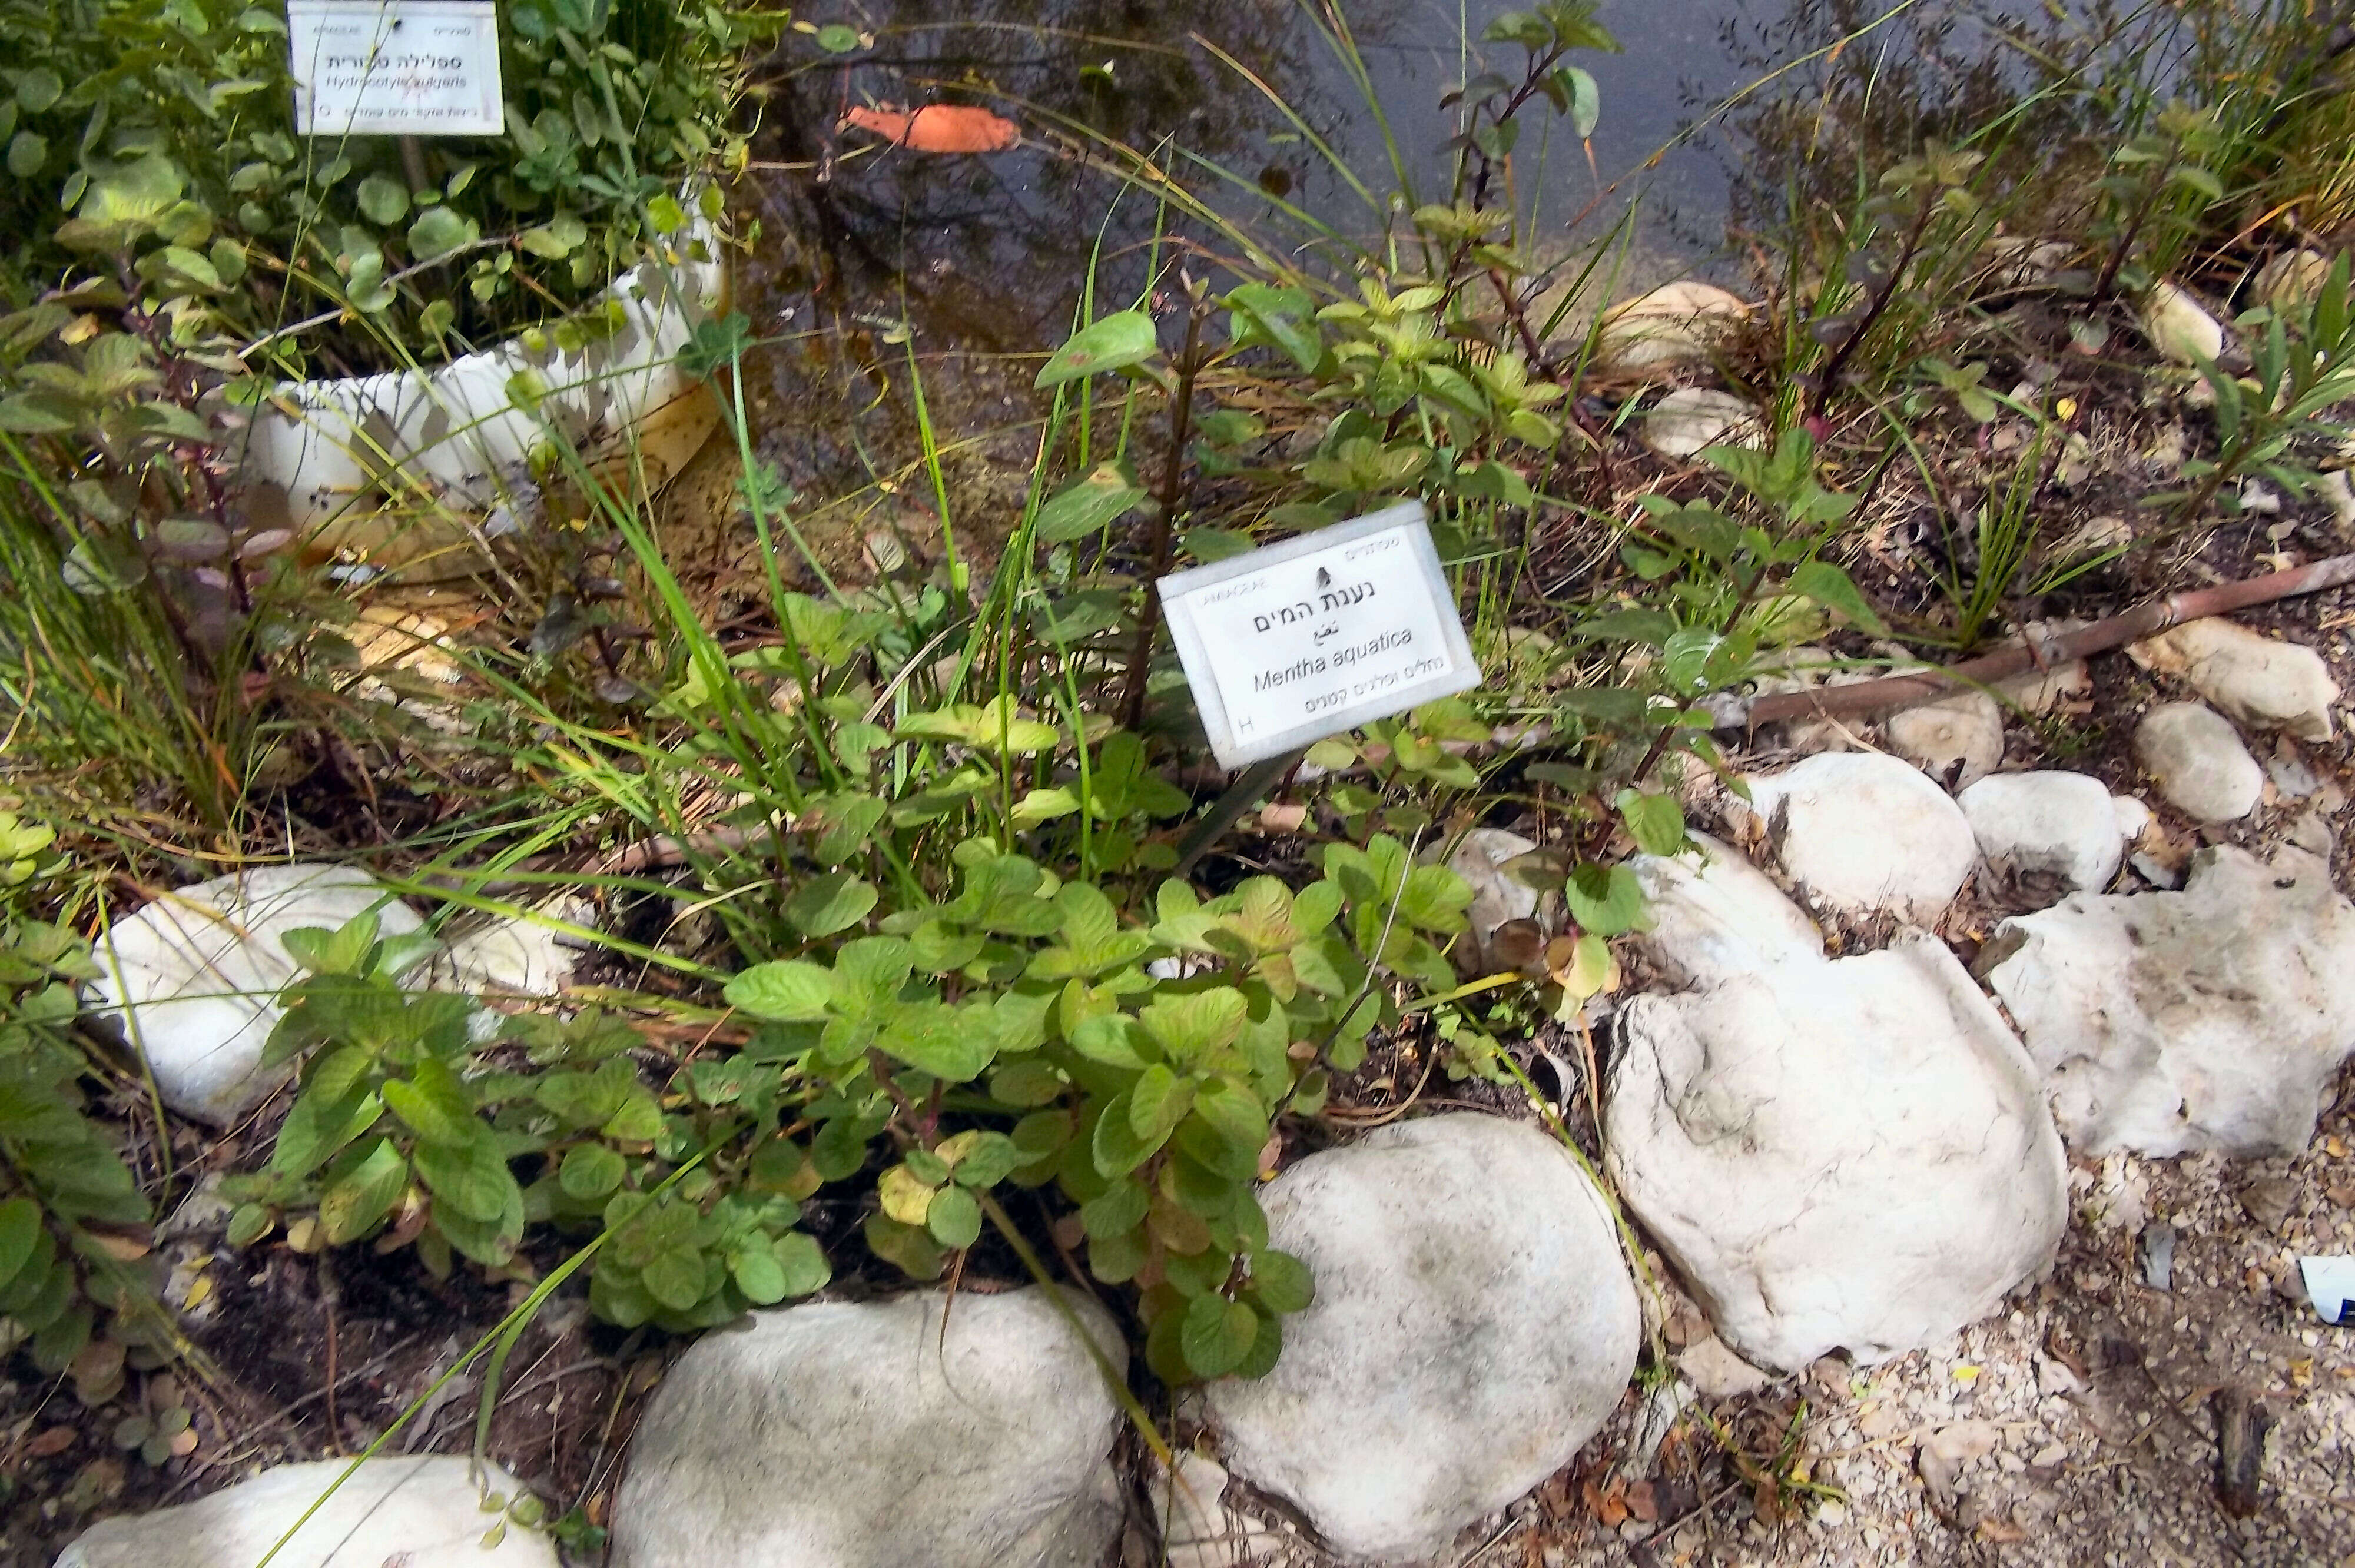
column 2148, row 619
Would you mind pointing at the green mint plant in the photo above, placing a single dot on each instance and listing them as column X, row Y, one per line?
column 71, row 1214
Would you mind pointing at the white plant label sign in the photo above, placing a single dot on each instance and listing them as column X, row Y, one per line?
column 395, row 67
column 1288, row 644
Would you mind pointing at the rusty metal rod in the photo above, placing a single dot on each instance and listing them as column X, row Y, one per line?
column 2148, row 620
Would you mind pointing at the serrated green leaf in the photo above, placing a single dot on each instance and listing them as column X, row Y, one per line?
column 825, row 904
column 355, row 1202
column 20, row 1226
column 788, row 991
column 1836, row 591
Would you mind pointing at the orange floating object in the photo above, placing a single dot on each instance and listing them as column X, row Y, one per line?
column 938, row 128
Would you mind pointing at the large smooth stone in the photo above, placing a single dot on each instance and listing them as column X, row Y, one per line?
column 1497, row 896
column 2065, row 827
column 417, row 1512
column 2195, row 756
column 194, row 977
column 840, row 1435
column 1678, row 323
column 2166, row 1022
column 2179, row 326
column 1851, row 1154
column 1713, row 915
column 1474, row 1325
column 1956, row 740
column 1693, row 418
column 517, row 955
column 1862, row 832
column 2259, row 682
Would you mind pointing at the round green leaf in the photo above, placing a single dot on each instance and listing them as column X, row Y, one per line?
column 384, row 201
column 438, row 231
column 1217, row 1335
column 590, row 1170
column 675, row 1278
column 1282, row 1281
column 803, row 1265
column 1267, row 1345
column 27, row 151
column 758, row 1273
column 838, row 38
column 954, row 1218
column 37, row 88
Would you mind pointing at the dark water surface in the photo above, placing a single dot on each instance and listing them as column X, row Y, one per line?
column 868, row 251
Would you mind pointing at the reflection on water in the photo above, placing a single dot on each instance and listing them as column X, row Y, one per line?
column 1715, row 112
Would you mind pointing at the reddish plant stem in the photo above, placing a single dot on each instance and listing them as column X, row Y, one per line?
column 1164, row 521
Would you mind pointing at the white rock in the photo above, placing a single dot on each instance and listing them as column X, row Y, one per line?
column 1717, row 1373
column 2179, row 327
column 1956, row 740
column 2339, row 496
column 1714, row 913
column 423, row 1511
column 2291, row 280
column 1198, row 1529
column 838, row 1435
column 1480, row 858
column 1676, row 325
column 2061, row 826
column 194, row 977
column 2259, row 681
column 1691, row 417
column 1474, row 1325
column 2173, row 1022
column 1853, row 1155
column 2023, row 262
column 2197, row 759
column 517, row 955
column 1860, row 832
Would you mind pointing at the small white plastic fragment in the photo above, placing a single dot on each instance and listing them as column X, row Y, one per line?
column 2331, row 1286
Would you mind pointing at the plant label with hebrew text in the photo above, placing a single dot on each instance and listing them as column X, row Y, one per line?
column 395, row 67
column 1290, row 643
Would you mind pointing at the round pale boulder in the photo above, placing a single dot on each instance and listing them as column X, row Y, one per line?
column 2063, row 827
column 1851, row 1154
column 1956, row 740
column 424, row 1511
column 193, row 978
column 1862, row 832
column 2261, row 681
column 1474, row 1325
column 844, row 1435
column 1693, row 418
column 1681, row 323
column 1713, row 913
column 2195, row 756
